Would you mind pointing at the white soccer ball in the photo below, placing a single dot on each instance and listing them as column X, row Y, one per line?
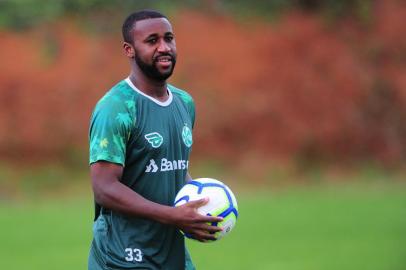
column 221, row 203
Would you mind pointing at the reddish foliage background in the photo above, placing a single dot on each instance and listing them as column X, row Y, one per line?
column 299, row 88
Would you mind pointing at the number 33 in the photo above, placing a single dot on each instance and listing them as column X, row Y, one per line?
column 133, row 255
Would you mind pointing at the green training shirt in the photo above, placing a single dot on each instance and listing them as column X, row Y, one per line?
column 152, row 140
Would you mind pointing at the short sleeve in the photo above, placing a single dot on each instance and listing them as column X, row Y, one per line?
column 110, row 129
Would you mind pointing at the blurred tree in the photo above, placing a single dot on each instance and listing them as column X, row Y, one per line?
column 22, row 14
column 336, row 8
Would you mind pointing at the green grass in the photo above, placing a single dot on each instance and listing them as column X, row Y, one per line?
column 324, row 227
column 45, row 235
column 314, row 228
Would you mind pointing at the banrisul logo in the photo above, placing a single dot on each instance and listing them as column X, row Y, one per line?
column 187, row 136
column 151, row 167
column 155, row 139
column 165, row 165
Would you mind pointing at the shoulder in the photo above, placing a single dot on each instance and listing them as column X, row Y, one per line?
column 121, row 97
column 182, row 94
column 186, row 98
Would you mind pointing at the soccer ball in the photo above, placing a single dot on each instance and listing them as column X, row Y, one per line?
column 221, row 203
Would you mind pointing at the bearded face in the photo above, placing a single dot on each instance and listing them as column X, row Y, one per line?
column 160, row 68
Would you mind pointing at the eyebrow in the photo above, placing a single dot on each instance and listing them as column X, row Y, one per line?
column 154, row 35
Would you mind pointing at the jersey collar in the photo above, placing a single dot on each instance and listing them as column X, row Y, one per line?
column 160, row 103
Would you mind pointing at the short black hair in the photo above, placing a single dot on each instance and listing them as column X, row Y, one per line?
column 135, row 17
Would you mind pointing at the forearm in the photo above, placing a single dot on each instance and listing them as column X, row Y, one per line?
column 110, row 193
column 119, row 197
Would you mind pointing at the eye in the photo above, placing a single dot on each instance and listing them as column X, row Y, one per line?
column 152, row 40
column 168, row 38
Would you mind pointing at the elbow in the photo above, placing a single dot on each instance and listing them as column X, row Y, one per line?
column 101, row 194
column 105, row 182
column 99, row 198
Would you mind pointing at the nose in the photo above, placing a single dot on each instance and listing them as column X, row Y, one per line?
column 163, row 47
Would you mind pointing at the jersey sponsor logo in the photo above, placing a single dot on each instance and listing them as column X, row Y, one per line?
column 155, row 139
column 187, row 136
column 166, row 165
column 151, row 167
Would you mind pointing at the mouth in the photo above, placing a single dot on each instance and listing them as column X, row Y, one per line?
column 164, row 61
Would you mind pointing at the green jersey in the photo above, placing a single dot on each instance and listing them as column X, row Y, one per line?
column 152, row 140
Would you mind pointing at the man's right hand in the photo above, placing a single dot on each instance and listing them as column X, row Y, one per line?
column 187, row 219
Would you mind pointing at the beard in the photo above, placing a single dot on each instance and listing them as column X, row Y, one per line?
column 152, row 71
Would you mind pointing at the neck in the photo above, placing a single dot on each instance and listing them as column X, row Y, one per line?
column 152, row 88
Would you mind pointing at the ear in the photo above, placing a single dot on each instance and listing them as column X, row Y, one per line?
column 129, row 50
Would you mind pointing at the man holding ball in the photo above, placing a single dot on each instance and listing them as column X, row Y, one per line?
column 140, row 141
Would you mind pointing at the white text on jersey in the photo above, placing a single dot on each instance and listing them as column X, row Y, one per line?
column 166, row 165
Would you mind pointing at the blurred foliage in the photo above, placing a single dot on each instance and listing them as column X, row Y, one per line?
column 23, row 14
column 333, row 94
column 360, row 9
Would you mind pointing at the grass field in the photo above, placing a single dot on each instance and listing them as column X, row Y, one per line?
column 320, row 227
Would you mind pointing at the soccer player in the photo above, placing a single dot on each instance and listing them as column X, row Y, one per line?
column 140, row 142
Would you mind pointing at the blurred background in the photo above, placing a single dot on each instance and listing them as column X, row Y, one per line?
column 301, row 110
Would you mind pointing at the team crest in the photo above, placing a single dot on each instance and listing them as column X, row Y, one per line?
column 155, row 139
column 187, row 136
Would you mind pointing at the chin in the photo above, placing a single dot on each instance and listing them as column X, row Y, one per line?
column 166, row 75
